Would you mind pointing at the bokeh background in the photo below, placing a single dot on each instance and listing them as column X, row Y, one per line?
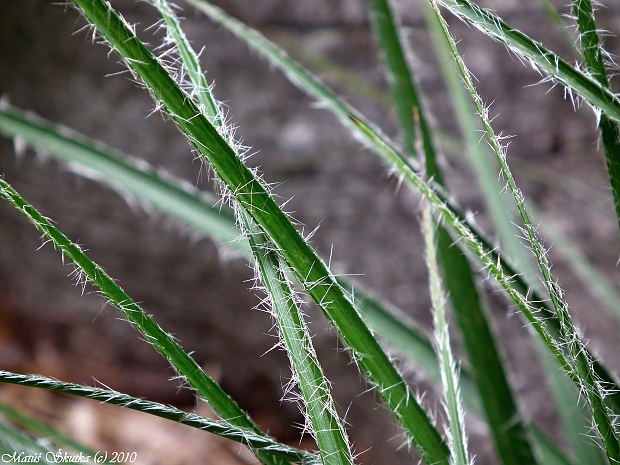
column 201, row 293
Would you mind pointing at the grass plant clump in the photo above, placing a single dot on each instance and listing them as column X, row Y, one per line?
column 244, row 215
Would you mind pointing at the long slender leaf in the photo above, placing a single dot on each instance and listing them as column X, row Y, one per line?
column 252, row 196
column 323, row 419
column 568, row 347
column 130, row 175
column 224, row 429
column 486, row 169
column 599, row 97
column 449, row 379
column 593, row 53
column 477, row 155
column 200, row 89
column 402, row 84
column 325, row 424
column 195, row 376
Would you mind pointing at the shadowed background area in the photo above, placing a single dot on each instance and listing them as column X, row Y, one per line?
column 198, row 291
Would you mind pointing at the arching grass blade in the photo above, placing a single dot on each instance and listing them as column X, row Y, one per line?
column 130, row 175
column 599, row 97
column 227, row 430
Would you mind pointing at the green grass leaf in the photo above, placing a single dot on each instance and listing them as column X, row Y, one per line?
column 512, row 442
column 598, row 96
column 323, row 419
column 496, row 395
column 318, row 405
column 129, row 175
column 457, row 437
column 404, row 91
column 592, row 50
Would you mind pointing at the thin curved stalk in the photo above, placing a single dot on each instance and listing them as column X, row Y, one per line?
column 508, row 428
column 402, row 85
column 576, row 421
column 224, row 429
column 449, row 379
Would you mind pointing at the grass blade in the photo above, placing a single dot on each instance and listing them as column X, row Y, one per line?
column 457, row 438
column 188, row 369
column 507, row 425
column 324, row 422
column 92, row 159
column 224, row 429
column 498, row 205
column 251, row 196
column 114, row 168
column 593, row 53
column 318, row 405
column 568, row 347
column 200, row 89
column 599, row 97
column 401, row 80
column 484, row 165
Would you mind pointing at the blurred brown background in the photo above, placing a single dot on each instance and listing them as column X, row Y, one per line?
column 199, row 293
